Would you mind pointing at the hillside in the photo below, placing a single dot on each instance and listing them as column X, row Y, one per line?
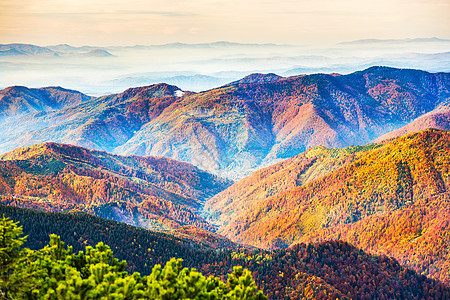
column 151, row 192
column 330, row 270
column 438, row 118
column 388, row 183
column 238, row 128
column 18, row 100
column 416, row 236
column 281, row 177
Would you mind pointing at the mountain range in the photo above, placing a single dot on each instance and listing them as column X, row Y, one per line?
column 395, row 41
column 240, row 127
column 68, row 50
column 26, row 50
column 281, row 166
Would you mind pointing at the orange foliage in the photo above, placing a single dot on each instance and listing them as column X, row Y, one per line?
column 151, row 192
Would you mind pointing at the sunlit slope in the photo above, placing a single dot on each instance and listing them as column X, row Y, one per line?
column 418, row 236
column 385, row 179
column 278, row 178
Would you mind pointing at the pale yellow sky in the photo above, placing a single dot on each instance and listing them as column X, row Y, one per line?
column 113, row 22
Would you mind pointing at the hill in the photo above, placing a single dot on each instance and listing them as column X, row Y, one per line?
column 18, row 100
column 400, row 184
column 97, row 53
column 330, row 270
column 438, row 118
column 281, row 177
column 246, row 125
column 152, row 192
column 257, row 78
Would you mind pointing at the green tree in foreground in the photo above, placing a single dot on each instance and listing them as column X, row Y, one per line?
column 55, row 272
column 11, row 254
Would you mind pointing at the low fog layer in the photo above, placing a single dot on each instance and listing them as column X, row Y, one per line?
column 197, row 67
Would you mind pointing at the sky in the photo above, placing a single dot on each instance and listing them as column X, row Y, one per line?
column 119, row 22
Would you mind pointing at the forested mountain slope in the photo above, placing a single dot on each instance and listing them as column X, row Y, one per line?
column 19, row 100
column 438, row 118
column 152, row 192
column 102, row 123
column 391, row 199
column 242, row 126
column 283, row 176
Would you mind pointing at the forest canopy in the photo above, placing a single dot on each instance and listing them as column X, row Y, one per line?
column 55, row 272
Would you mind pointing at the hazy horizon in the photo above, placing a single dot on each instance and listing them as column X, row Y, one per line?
column 135, row 22
column 200, row 67
column 287, row 37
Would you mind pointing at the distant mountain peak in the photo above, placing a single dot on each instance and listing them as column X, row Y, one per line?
column 98, row 53
column 25, row 50
column 17, row 100
column 258, row 78
column 156, row 90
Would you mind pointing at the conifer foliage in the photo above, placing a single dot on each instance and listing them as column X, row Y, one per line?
column 55, row 272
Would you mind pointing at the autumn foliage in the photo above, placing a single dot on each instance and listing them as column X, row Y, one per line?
column 150, row 192
column 389, row 199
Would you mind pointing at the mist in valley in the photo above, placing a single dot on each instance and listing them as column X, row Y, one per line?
column 197, row 67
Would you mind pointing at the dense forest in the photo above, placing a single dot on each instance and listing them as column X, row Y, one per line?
column 56, row 272
column 327, row 270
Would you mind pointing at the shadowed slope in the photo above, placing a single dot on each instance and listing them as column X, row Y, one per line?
column 438, row 118
column 101, row 123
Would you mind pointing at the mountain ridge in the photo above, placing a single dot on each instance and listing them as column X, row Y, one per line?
column 236, row 129
column 18, row 100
